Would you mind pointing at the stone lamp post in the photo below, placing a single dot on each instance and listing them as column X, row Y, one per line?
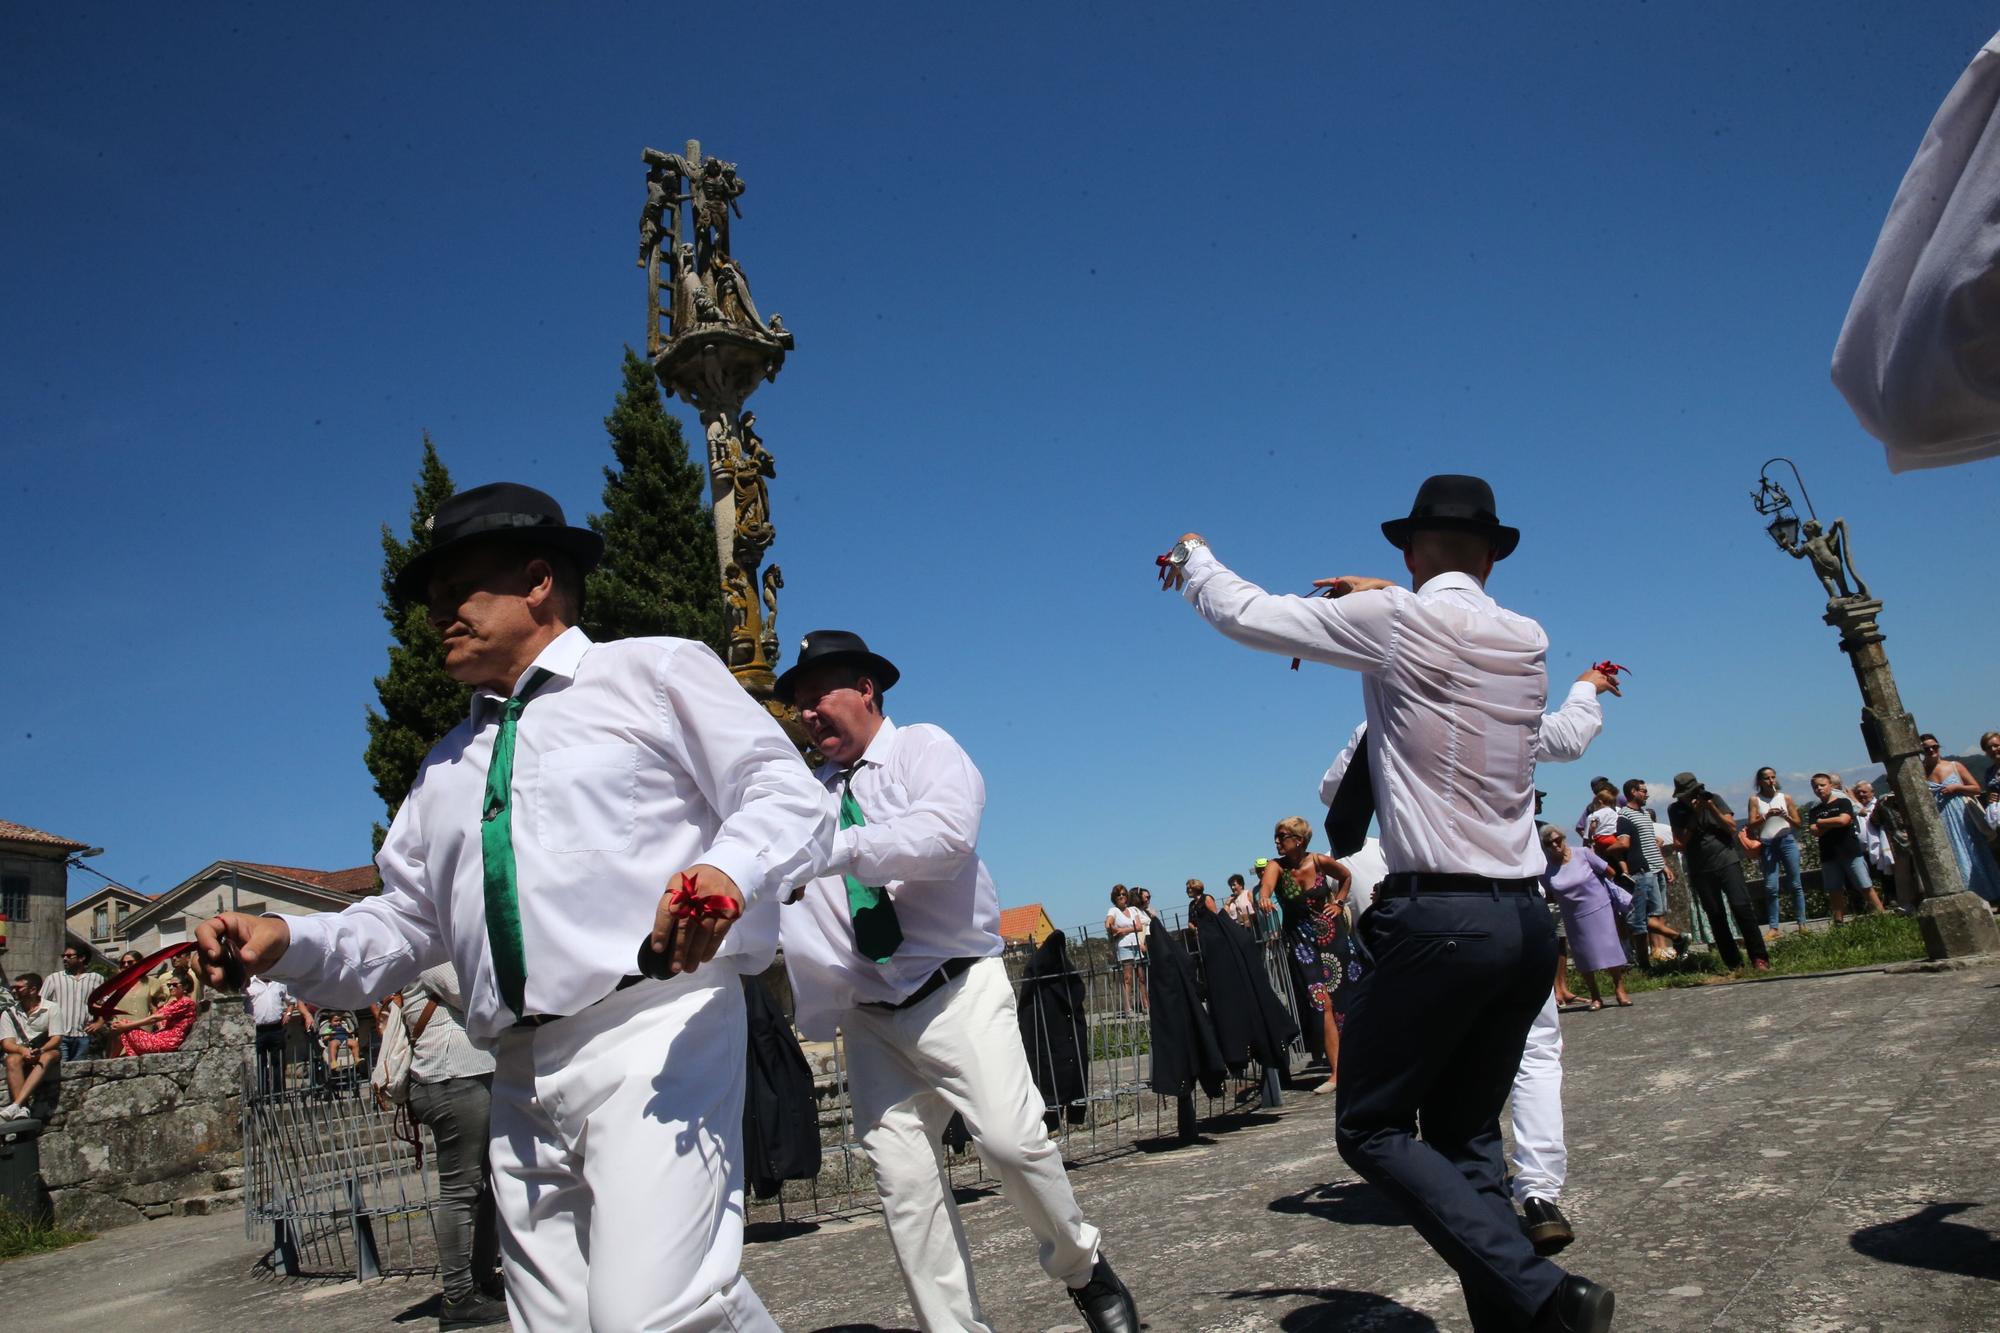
column 1955, row 923
column 711, row 348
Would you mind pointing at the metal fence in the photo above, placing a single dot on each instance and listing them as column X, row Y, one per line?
column 334, row 1190
column 327, row 1181
column 1118, row 1114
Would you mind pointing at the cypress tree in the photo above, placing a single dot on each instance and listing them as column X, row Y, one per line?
column 420, row 703
column 658, row 575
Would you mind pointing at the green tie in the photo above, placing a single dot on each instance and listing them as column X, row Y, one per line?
column 496, row 846
column 876, row 934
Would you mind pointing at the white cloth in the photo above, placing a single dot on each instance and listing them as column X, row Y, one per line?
column 638, row 759
column 1875, row 841
column 442, row 1050
column 68, row 997
column 1540, row 1156
column 618, row 1166
column 922, row 800
column 909, row 1069
column 1919, row 353
column 266, row 1001
column 1454, row 687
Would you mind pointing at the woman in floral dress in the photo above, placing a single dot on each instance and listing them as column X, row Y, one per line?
column 166, row 1028
column 1308, row 891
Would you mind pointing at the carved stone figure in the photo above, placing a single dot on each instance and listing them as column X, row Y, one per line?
column 774, row 579
column 692, row 302
column 740, row 606
column 751, row 492
column 732, row 294
column 714, row 190
column 1828, row 552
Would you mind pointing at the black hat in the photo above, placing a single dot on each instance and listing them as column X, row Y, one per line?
column 836, row 645
column 1456, row 503
column 1685, row 783
column 501, row 510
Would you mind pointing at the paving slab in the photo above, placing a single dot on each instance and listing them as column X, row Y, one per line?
column 1809, row 1155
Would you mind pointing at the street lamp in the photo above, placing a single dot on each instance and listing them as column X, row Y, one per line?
column 1955, row 923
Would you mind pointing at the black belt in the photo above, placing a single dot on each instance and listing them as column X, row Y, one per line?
column 1410, row 884
column 936, row 982
column 537, row 1020
column 266, row 1027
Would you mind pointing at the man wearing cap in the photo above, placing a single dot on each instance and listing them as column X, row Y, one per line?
column 898, row 945
column 1705, row 835
column 605, row 806
column 1463, row 952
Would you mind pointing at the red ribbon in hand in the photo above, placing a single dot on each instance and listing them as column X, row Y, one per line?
column 1611, row 669
column 689, row 904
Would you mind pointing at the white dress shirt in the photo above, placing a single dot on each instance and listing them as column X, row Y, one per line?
column 442, row 1051
column 639, row 759
column 1453, row 685
column 68, row 997
column 922, row 801
column 1919, row 353
column 266, row 1000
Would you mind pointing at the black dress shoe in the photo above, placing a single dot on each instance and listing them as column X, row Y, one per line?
column 1106, row 1305
column 1548, row 1230
column 1579, row 1306
column 477, row 1310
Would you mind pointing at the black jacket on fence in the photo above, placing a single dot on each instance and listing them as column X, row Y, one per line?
column 1251, row 1022
column 1055, row 1029
column 780, row 1114
column 1184, row 1049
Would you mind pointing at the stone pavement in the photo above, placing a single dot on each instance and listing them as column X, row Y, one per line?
column 1807, row 1154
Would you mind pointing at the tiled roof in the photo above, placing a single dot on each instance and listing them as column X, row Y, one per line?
column 11, row 832
column 1020, row 923
column 356, row 882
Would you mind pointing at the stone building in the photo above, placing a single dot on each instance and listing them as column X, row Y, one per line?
column 34, row 893
column 100, row 917
column 242, row 886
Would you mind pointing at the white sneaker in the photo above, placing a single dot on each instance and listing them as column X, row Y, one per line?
column 1326, row 1087
column 16, row 1111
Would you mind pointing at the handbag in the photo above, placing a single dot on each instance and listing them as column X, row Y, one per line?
column 391, row 1076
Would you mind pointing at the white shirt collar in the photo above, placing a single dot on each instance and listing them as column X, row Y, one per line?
column 560, row 656
column 1452, row 579
column 877, row 752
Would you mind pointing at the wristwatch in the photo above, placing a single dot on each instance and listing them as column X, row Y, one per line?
column 1182, row 550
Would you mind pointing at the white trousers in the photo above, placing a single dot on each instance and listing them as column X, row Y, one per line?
column 1541, row 1159
column 908, row 1070
column 617, row 1165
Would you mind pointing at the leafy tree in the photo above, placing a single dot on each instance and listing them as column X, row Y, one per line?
column 659, row 574
column 420, row 703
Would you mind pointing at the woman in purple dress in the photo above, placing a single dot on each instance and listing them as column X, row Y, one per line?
column 1592, row 907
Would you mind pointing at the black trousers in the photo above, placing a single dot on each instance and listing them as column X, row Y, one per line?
column 270, row 1057
column 1433, row 1039
column 1712, row 888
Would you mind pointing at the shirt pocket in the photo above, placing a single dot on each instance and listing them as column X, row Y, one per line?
column 586, row 798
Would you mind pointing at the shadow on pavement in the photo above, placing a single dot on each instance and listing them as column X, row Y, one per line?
column 861, row 1328
column 1928, row 1239
column 1338, row 1308
column 423, row 1312
column 755, row 1233
column 1350, row 1203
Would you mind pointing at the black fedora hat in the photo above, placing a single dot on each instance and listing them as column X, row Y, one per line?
column 1456, row 503
column 836, row 645
column 498, row 511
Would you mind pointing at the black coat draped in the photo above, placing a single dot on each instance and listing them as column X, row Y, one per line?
column 780, row 1114
column 1055, row 1028
column 1184, row 1049
column 1251, row 1022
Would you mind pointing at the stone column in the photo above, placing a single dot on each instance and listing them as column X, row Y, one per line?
column 1955, row 922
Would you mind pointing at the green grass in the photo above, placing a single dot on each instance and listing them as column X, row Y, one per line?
column 19, row 1236
column 1867, row 941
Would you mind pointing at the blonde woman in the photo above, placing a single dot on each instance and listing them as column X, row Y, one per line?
column 1309, row 890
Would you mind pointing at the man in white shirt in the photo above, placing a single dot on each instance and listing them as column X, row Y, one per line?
column 269, row 1003
column 898, row 946
column 67, row 994
column 28, row 1043
column 600, row 800
column 1463, row 951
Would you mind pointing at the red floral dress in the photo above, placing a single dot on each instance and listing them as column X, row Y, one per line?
column 170, row 1035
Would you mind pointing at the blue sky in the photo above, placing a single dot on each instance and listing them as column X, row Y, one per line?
column 1065, row 283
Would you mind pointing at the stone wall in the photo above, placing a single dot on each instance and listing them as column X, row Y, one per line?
column 146, row 1136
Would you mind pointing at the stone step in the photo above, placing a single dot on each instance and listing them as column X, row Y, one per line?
column 229, row 1178
column 202, row 1205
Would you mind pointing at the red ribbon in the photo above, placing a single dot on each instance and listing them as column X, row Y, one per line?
column 689, row 904
column 1611, row 669
column 104, row 1001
